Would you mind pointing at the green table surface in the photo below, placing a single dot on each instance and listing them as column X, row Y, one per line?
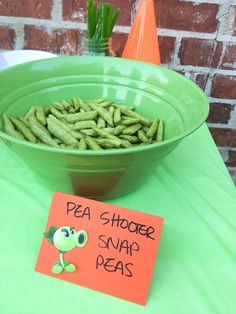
column 195, row 270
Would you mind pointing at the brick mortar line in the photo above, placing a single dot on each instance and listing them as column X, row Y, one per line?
column 231, row 168
column 182, row 34
column 220, row 126
column 223, row 17
column 208, row 85
column 204, row 70
column 222, row 100
column 185, row 34
column 175, row 58
column 123, row 29
column 219, row 102
column 231, row 26
column 19, row 30
column 224, row 152
column 232, row 120
column 227, row 147
column 56, row 11
column 227, row 38
column 11, row 20
column 222, row 53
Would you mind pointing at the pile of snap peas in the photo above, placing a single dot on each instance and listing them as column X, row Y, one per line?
column 85, row 125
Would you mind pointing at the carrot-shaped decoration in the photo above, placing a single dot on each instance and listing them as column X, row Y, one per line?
column 101, row 20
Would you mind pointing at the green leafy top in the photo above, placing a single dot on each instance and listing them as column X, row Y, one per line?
column 50, row 233
column 101, row 20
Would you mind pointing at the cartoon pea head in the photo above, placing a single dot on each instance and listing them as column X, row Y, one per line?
column 65, row 239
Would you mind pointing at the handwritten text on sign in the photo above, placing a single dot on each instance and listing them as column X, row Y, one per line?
column 100, row 246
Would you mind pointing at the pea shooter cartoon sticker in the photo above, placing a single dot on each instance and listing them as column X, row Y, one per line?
column 65, row 239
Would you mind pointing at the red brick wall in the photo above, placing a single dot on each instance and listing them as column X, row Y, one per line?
column 197, row 38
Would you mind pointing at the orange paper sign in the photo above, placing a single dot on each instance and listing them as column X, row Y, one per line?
column 100, row 246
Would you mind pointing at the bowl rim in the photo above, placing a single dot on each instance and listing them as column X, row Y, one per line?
column 174, row 139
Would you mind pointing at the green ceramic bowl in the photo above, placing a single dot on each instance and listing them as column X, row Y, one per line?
column 154, row 91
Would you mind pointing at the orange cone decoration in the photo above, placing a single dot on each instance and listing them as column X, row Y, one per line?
column 142, row 43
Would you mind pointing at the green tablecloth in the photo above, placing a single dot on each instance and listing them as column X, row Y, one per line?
column 195, row 268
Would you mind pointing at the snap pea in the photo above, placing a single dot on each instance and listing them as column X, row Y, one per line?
column 70, row 101
column 101, row 123
column 84, row 125
column 40, row 115
column 84, row 116
column 146, row 143
column 89, row 132
column 66, row 104
column 106, row 115
column 24, row 130
column 23, row 120
column 9, row 128
column 33, row 120
column 46, row 110
column 61, row 133
column 145, row 122
column 119, row 129
column 117, row 116
column 160, row 132
column 67, row 127
column 142, row 136
column 99, row 100
column 132, row 129
column 83, row 105
column 71, row 110
column 109, row 130
column 56, row 113
column 92, row 144
column 32, row 110
column 76, row 104
column 105, row 103
column 57, row 140
column 130, row 138
column 128, row 112
column 129, row 121
column 111, row 110
column 126, row 144
column 58, row 106
column 105, row 134
column 108, row 143
column 152, row 129
column 124, row 107
column 40, row 132
column 82, row 144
